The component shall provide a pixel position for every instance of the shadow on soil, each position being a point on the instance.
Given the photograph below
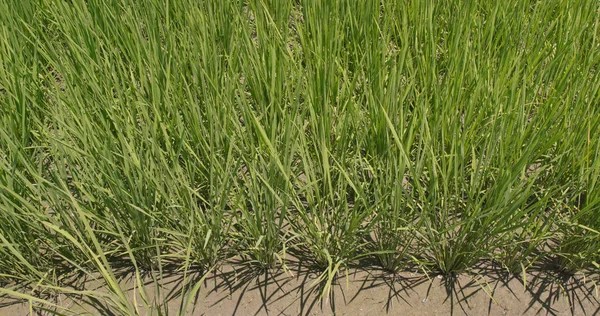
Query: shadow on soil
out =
(243, 289)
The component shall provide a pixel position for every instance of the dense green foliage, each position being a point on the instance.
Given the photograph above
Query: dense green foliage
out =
(186, 133)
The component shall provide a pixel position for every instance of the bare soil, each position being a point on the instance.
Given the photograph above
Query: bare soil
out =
(243, 291)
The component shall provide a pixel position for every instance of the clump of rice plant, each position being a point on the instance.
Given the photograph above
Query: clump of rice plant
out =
(146, 136)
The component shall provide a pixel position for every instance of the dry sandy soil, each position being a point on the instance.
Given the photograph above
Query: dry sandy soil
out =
(239, 291)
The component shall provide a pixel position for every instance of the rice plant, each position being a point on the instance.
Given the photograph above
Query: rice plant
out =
(181, 135)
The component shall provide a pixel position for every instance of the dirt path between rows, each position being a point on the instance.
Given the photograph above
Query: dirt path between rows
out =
(239, 291)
